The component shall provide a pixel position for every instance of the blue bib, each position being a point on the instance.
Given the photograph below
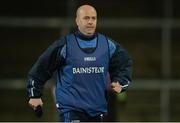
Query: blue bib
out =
(82, 82)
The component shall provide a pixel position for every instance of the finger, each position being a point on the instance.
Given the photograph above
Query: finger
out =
(117, 90)
(32, 106)
(114, 84)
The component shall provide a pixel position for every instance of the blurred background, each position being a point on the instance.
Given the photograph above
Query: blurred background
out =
(148, 29)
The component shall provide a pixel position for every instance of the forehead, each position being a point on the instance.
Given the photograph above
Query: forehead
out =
(87, 11)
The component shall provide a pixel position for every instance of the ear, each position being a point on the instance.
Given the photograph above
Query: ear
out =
(77, 21)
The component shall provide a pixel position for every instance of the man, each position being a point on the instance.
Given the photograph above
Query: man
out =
(86, 62)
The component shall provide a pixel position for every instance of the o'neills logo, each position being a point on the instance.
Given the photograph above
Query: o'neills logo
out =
(88, 70)
(89, 58)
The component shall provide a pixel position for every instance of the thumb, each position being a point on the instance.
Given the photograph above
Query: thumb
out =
(114, 84)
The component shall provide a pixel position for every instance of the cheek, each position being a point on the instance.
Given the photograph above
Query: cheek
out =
(83, 24)
(95, 23)
(77, 22)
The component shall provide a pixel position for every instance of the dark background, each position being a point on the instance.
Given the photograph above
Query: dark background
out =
(148, 29)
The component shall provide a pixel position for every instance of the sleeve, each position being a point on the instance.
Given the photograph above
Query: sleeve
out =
(120, 67)
(44, 68)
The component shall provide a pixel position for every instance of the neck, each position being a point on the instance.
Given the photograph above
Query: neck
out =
(83, 36)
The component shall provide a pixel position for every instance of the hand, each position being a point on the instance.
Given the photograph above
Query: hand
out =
(116, 87)
(34, 102)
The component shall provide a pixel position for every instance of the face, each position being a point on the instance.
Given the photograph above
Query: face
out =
(86, 20)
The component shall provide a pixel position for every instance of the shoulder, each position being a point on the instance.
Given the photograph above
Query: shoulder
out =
(59, 42)
(110, 40)
(115, 44)
(56, 45)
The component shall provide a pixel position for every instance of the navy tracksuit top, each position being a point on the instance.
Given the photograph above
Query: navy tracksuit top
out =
(84, 79)
(84, 66)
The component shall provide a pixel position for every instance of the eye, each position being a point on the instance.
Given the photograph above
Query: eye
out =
(94, 18)
(86, 17)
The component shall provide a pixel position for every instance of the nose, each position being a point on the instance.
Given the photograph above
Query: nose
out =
(90, 21)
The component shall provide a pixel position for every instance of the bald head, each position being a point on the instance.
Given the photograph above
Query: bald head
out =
(86, 19)
(85, 8)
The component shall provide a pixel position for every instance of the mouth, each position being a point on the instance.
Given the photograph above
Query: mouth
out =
(90, 27)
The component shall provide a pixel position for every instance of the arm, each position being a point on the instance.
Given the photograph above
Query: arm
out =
(120, 68)
(42, 71)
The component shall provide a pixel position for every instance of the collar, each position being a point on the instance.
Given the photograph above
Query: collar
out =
(84, 37)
